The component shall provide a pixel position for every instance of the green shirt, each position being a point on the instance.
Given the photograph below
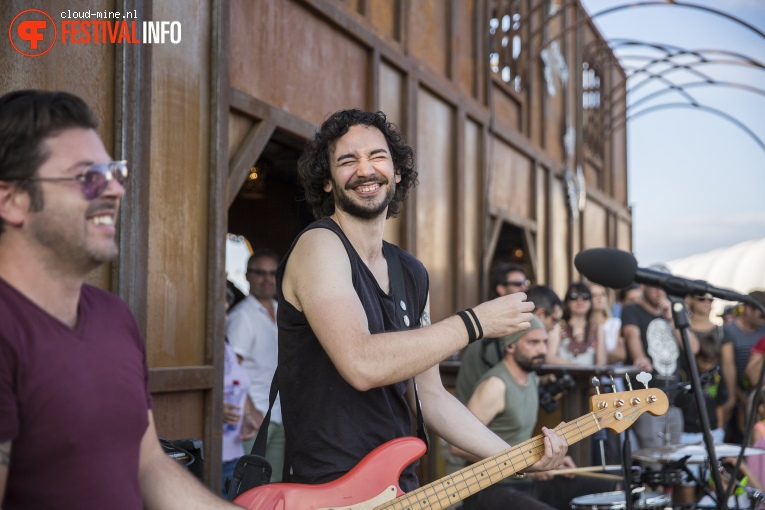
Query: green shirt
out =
(516, 423)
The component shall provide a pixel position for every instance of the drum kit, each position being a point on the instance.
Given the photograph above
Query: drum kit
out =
(674, 472)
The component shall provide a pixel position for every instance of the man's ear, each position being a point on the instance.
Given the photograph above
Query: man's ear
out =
(398, 176)
(14, 203)
(328, 185)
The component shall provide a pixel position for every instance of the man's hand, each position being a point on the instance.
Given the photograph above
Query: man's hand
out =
(231, 414)
(555, 451)
(505, 315)
(644, 363)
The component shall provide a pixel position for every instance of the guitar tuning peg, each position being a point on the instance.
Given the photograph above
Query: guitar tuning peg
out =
(596, 384)
(613, 386)
(629, 383)
(645, 378)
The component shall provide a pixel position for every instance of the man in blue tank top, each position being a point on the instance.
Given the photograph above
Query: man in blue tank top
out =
(345, 369)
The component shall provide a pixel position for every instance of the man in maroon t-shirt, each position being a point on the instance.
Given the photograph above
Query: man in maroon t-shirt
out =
(76, 426)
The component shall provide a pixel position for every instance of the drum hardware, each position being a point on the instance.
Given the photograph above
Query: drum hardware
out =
(615, 501)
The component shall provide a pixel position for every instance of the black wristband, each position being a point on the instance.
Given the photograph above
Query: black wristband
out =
(469, 326)
(477, 324)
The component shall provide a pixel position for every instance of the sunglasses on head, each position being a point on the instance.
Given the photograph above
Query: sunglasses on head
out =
(95, 179)
(576, 295)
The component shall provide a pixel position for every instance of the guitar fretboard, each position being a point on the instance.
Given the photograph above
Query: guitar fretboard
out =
(476, 477)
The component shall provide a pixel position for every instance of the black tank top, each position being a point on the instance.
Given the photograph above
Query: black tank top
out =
(329, 425)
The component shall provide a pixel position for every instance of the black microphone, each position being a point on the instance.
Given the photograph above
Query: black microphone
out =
(618, 269)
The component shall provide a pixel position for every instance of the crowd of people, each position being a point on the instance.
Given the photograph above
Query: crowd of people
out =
(342, 321)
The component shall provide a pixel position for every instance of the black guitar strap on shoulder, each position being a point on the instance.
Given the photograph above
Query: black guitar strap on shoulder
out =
(253, 470)
(399, 299)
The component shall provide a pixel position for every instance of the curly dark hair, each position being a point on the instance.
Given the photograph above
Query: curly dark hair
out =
(314, 166)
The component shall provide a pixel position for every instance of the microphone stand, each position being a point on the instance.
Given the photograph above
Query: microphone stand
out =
(627, 471)
(752, 412)
(680, 318)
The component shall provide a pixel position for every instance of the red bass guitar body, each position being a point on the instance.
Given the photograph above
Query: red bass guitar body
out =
(372, 482)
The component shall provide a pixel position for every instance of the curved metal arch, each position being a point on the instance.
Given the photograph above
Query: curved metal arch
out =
(696, 84)
(708, 109)
(616, 93)
(617, 8)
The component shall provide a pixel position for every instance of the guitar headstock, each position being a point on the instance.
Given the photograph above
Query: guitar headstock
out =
(618, 411)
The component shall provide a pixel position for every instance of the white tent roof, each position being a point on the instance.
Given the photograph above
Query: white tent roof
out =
(740, 267)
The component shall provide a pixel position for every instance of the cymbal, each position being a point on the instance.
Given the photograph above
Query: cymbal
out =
(696, 453)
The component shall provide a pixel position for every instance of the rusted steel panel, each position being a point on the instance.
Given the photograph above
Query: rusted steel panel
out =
(384, 16)
(429, 33)
(393, 103)
(435, 220)
(594, 231)
(542, 207)
(465, 38)
(511, 181)
(506, 106)
(472, 189)
(293, 59)
(180, 145)
(180, 415)
(559, 229)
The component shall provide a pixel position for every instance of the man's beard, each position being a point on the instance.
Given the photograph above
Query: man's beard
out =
(360, 210)
(526, 363)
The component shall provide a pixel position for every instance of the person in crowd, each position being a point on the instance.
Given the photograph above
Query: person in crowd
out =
(739, 336)
(346, 368)
(655, 346)
(581, 339)
(601, 314)
(241, 420)
(728, 314)
(251, 329)
(699, 307)
(754, 364)
(478, 357)
(506, 400)
(629, 295)
(76, 422)
(507, 278)
(715, 399)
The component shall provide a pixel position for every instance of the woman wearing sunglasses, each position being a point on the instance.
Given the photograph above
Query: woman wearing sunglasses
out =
(581, 339)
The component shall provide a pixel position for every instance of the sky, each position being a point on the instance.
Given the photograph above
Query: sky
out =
(696, 180)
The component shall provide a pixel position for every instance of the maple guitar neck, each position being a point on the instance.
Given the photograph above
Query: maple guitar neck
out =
(476, 477)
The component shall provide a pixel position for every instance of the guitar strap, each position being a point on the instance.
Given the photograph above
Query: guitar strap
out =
(398, 290)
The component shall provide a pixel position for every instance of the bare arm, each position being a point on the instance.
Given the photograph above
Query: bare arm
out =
(553, 344)
(635, 347)
(728, 369)
(600, 349)
(318, 281)
(752, 370)
(5, 461)
(485, 404)
(448, 418)
(619, 354)
(165, 485)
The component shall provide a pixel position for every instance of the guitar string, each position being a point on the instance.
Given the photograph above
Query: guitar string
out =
(536, 450)
(537, 444)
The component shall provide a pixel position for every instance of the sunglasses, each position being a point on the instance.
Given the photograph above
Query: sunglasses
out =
(261, 272)
(575, 295)
(703, 298)
(517, 283)
(95, 179)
